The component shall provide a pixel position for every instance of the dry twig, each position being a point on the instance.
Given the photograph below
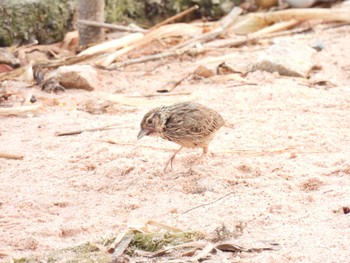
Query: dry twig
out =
(19, 110)
(163, 55)
(160, 94)
(111, 141)
(110, 26)
(122, 99)
(122, 246)
(108, 127)
(175, 17)
(174, 85)
(255, 37)
(210, 203)
(11, 156)
(225, 23)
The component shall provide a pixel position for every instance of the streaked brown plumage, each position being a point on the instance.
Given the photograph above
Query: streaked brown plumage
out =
(188, 124)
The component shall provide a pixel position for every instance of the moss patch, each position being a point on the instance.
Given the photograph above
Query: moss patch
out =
(154, 241)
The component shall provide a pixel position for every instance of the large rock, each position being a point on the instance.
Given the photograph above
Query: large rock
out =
(288, 58)
(71, 77)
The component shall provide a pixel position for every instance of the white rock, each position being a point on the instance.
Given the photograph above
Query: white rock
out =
(288, 58)
(77, 77)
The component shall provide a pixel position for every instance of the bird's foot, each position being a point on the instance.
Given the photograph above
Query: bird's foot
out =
(170, 161)
(203, 158)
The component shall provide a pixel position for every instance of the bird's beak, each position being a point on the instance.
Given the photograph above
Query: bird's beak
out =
(143, 132)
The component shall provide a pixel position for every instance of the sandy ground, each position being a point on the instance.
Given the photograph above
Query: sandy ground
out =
(285, 164)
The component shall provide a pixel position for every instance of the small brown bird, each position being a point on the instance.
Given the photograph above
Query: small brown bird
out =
(188, 124)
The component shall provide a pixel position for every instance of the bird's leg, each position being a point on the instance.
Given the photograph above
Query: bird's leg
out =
(205, 152)
(172, 158)
(203, 156)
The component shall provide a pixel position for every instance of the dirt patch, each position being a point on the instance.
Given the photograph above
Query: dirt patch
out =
(284, 166)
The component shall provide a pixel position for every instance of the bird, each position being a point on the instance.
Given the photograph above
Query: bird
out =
(188, 124)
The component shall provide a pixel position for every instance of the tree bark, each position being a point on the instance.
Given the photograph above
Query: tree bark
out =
(90, 10)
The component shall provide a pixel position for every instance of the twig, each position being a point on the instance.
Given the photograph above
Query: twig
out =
(160, 94)
(253, 38)
(113, 45)
(111, 141)
(121, 247)
(156, 57)
(110, 26)
(210, 203)
(11, 156)
(122, 99)
(19, 110)
(336, 25)
(258, 152)
(225, 23)
(175, 17)
(108, 127)
(177, 83)
(69, 60)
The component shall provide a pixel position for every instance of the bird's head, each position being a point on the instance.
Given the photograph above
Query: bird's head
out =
(151, 124)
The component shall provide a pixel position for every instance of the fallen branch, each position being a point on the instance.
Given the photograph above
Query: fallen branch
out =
(175, 17)
(11, 156)
(225, 23)
(277, 27)
(162, 55)
(112, 45)
(174, 85)
(210, 203)
(110, 26)
(108, 127)
(111, 141)
(162, 32)
(121, 247)
(160, 94)
(13, 73)
(255, 37)
(258, 152)
(19, 110)
(122, 99)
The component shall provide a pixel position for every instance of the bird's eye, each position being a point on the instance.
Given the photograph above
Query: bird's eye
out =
(149, 121)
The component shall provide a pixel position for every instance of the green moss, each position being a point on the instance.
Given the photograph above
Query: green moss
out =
(47, 21)
(27, 20)
(155, 241)
(149, 12)
(85, 253)
(89, 252)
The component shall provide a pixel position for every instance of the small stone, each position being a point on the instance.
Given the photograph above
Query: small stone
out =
(226, 68)
(71, 77)
(288, 58)
(7, 57)
(203, 72)
(78, 77)
(317, 45)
